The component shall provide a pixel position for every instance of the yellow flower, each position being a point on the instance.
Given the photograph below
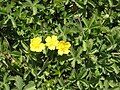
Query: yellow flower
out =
(63, 47)
(36, 45)
(51, 42)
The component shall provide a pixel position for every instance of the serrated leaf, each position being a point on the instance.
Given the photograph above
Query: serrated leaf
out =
(30, 86)
(19, 82)
(111, 83)
(106, 84)
(90, 44)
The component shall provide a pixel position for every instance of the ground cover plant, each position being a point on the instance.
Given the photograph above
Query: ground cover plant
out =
(59, 44)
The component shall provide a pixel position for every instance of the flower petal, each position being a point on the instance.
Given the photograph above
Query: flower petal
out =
(60, 52)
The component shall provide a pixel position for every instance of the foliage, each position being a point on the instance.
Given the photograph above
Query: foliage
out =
(91, 26)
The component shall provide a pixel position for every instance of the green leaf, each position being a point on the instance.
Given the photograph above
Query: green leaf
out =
(92, 3)
(34, 10)
(116, 88)
(91, 21)
(83, 73)
(93, 58)
(59, 2)
(19, 82)
(106, 84)
(100, 84)
(90, 44)
(85, 2)
(6, 87)
(6, 20)
(97, 73)
(103, 47)
(85, 22)
(112, 83)
(13, 21)
(79, 51)
(15, 45)
(110, 3)
(14, 89)
(61, 82)
(5, 44)
(73, 63)
(84, 46)
(16, 53)
(5, 78)
(78, 84)
(25, 46)
(116, 68)
(0, 44)
(78, 5)
(29, 1)
(85, 83)
(30, 86)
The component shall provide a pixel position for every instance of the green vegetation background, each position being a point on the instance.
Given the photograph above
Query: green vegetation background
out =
(91, 26)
